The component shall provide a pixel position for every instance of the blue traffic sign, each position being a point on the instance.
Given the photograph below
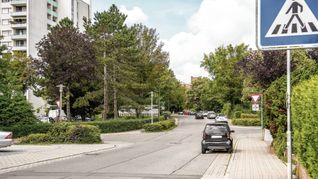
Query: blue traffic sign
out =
(286, 24)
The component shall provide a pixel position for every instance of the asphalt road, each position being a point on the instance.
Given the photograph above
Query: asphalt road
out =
(173, 154)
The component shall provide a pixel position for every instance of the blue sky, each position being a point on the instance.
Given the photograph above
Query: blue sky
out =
(191, 28)
(167, 16)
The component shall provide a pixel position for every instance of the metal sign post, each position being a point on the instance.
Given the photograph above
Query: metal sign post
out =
(289, 141)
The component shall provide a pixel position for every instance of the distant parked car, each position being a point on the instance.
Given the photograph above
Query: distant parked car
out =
(211, 115)
(44, 119)
(217, 136)
(5, 139)
(180, 113)
(221, 118)
(199, 115)
(205, 113)
(192, 113)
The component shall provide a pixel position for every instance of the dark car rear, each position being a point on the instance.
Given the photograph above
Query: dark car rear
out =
(217, 136)
(199, 115)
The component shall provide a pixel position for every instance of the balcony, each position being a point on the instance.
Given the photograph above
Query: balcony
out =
(54, 3)
(19, 48)
(19, 37)
(18, 2)
(18, 13)
(51, 12)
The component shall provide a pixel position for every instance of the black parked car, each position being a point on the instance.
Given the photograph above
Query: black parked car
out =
(199, 115)
(217, 136)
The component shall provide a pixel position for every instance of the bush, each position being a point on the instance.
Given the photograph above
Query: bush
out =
(247, 115)
(21, 130)
(65, 133)
(227, 109)
(86, 134)
(35, 139)
(305, 115)
(120, 125)
(15, 110)
(246, 122)
(159, 126)
(237, 114)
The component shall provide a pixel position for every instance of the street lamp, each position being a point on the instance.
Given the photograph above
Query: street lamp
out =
(60, 103)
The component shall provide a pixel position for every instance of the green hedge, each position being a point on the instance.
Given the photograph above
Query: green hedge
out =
(159, 126)
(27, 129)
(305, 122)
(246, 122)
(247, 115)
(65, 133)
(120, 125)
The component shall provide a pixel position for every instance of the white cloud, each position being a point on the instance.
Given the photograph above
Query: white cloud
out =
(135, 15)
(216, 23)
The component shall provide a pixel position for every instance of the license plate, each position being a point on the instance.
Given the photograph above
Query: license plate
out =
(216, 137)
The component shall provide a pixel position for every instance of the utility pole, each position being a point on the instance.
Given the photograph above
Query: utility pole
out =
(105, 90)
(151, 107)
(159, 107)
(61, 99)
(115, 94)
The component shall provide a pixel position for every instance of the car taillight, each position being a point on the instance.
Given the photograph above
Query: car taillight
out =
(9, 136)
(204, 136)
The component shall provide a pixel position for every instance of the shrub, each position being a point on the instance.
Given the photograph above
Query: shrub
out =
(119, 125)
(246, 122)
(237, 114)
(305, 115)
(86, 134)
(15, 110)
(247, 115)
(35, 139)
(21, 130)
(227, 109)
(65, 133)
(159, 126)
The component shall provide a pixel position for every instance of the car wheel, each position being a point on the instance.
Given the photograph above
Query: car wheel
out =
(203, 150)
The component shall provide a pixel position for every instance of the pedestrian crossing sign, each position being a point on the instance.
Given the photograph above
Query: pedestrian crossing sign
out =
(285, 24)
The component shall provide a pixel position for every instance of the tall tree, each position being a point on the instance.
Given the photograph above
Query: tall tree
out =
(66, 57)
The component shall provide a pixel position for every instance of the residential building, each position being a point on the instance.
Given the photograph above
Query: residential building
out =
(25, 22)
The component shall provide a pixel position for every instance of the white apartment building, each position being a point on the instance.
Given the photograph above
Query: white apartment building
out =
(23, 23)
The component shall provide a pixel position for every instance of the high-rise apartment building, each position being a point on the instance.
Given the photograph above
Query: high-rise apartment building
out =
(23, 23)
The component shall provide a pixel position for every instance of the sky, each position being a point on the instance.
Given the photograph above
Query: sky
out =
(191, 28)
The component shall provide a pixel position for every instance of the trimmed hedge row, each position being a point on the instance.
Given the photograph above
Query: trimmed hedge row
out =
(247, 115)
(27, 129)
(159, 126)
(120, 125)
(305, 115)
(246, 122)
(65, 133)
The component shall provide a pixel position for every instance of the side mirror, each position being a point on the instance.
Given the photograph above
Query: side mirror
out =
(232, 131)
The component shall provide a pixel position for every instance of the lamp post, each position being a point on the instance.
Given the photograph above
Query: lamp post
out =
(151, 107)
(60, 103)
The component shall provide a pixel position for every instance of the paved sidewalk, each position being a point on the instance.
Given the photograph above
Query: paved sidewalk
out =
(18, 157)
(251, 159)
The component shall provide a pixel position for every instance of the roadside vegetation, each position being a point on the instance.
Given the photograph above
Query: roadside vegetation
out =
(238, 72)
(160, 126)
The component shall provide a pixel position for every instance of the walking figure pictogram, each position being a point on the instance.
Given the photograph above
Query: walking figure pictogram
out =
(295, 7)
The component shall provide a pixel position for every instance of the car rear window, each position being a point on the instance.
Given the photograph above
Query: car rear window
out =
(216, 129)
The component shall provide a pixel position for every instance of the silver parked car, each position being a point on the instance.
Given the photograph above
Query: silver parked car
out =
(5, 139)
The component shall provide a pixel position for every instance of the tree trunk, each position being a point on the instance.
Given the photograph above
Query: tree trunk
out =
(115, 95)
(68, 104)
(105, 94)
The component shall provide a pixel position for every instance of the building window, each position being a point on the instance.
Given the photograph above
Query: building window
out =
(5, 21)
(8, 44)
(5, 10)
(5, 0)
(6, 33)
(20, 43)
(20, 32)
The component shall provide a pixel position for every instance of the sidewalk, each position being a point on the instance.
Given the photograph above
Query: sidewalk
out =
(19, 157)
(250, 160)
